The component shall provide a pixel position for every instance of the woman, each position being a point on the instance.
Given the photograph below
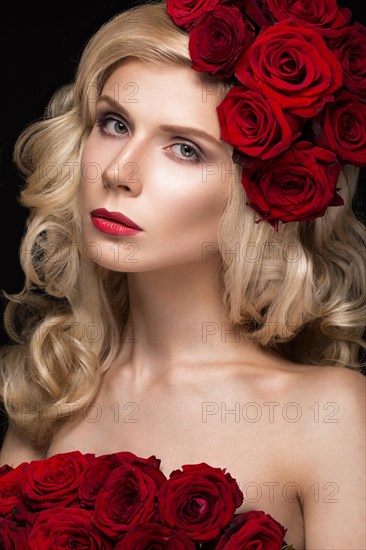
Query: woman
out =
(159, 315)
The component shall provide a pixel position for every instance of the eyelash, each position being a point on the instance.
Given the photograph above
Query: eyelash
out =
(102, 122)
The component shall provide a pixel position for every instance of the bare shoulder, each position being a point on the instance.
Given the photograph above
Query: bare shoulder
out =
(340, 378)
(335, 380)
(340, 396)
(16, 450)
(342, 387)
(331, 458)
(341, 384)
(332, 398)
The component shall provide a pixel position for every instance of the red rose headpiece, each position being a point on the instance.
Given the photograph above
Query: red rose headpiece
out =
(297, 109)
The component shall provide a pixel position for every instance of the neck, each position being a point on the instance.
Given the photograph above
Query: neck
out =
(177, 318)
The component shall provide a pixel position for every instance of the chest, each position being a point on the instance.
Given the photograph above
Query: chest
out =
(241, 436)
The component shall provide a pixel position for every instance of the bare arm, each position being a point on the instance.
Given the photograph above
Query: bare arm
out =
(335, 480)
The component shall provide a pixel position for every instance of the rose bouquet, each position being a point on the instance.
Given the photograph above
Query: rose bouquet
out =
(123, 501)
(296, 109)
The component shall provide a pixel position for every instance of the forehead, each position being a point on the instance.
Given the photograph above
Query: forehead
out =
(169, 93)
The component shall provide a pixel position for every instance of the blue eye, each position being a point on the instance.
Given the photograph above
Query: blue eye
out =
(187, 151)
(111, 126)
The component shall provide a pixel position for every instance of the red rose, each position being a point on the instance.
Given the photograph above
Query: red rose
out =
(9, 489)
(292, 65)
(255, 125)
(128, 497)
(344, 129)
(53, 481)
(65, 528)
(297, 186)
(199, 501)
(217, 41)
(12, 536)
(154, 535)
(100, 469)
(5, 468)
(350, 48)
(256, 11)
(253, 529)
(185, 12)
(320, 15)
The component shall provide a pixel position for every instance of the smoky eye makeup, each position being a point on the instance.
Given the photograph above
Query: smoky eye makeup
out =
(111, 125)
(188, 148)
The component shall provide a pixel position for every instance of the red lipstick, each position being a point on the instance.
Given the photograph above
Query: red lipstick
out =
(113, 223)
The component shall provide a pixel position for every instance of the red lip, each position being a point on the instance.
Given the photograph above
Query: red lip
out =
(114, 216)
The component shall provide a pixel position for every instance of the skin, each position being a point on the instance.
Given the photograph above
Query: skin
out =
(291, 435)
(169, 199)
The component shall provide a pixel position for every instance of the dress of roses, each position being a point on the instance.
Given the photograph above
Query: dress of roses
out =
(124, 501)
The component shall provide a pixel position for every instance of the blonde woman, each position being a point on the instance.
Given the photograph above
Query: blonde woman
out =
(164, 312)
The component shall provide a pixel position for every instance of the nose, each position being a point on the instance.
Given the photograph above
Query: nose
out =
(124, 172)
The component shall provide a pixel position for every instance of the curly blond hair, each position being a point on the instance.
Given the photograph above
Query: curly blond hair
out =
(301, 290)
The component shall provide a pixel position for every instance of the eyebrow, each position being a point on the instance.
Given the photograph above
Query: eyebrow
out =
(166, 127)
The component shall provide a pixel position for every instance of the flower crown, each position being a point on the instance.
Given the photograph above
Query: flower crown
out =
(297, 110)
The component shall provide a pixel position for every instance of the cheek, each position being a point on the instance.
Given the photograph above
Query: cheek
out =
(196, 208)
(193, 222)
(91, 165)
(90, 150)
(86, 161)
(94, 159)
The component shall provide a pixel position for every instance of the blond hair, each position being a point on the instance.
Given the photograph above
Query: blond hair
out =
(304, 284)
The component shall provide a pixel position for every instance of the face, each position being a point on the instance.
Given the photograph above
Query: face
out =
(170, 182)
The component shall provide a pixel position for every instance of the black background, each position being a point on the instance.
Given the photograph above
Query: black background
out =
(40, 50)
